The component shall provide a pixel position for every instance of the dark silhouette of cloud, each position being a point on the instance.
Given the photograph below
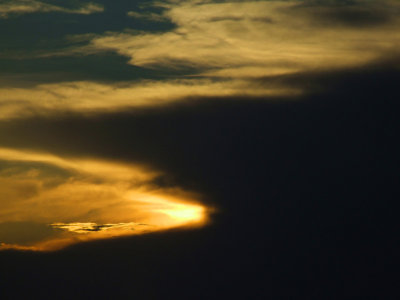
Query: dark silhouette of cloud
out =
(305, 187)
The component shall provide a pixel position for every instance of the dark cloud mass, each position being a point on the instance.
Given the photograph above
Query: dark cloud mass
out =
(304, 184)
(305, 187)
(357, 14)
(359, 17)
(303, 191)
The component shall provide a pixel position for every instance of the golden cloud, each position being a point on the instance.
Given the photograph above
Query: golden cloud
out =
(81, 199)
(228, 43)
(266, 37)
(89, 97)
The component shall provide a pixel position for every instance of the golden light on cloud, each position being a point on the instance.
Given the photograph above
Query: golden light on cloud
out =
(227, 43)
(49, 202)
(228, 38)
(90, 97)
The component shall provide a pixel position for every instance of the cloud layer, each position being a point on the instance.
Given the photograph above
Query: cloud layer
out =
(215, 49)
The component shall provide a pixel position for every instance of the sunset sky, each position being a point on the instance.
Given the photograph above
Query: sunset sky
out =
(217, 149)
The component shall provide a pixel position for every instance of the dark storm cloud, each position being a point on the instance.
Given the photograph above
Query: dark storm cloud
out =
(305, 188)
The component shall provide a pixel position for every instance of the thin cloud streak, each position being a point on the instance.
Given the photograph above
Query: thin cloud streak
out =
(21, 7)
(89, 97)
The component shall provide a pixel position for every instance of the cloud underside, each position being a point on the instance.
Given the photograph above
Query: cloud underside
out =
(21, 7)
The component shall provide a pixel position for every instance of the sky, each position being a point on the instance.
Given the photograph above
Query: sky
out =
(198, 149)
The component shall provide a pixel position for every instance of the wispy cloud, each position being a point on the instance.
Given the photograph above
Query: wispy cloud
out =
(266, 37)
(89, 97)
(20, 7)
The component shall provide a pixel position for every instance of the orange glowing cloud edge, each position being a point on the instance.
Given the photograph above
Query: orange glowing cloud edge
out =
(94, 202)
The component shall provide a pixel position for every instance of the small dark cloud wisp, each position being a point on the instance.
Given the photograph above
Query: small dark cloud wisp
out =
(357, 14)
